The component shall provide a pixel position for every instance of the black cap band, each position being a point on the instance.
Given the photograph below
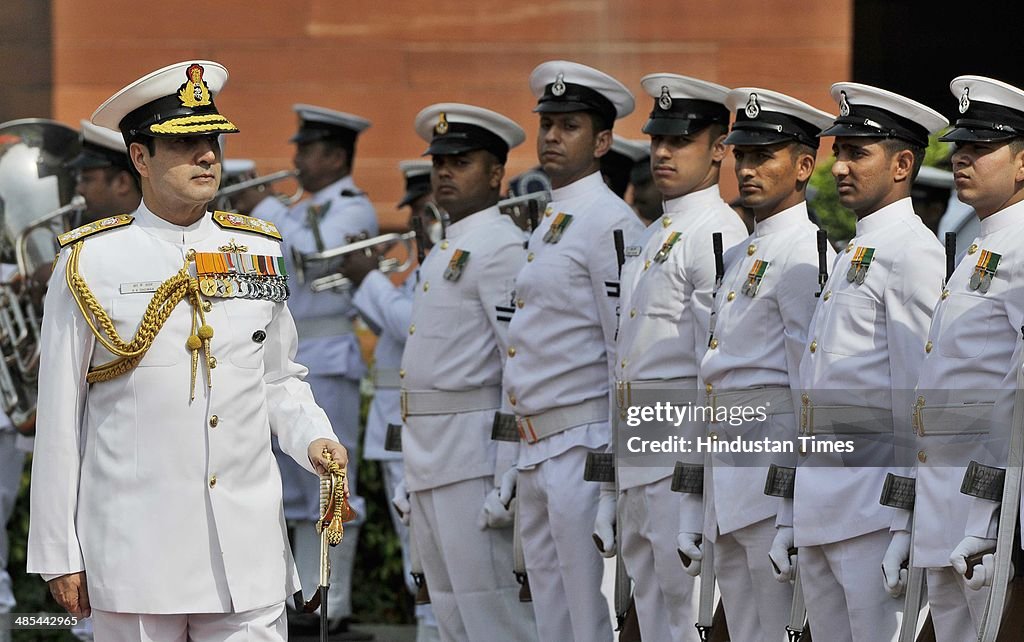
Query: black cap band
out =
(684, 116)
(94, 156)
(415, 187)
(562, 97)
(459, 138)
(771, 127)
(987, 122)
(139, 120)
(310, 131)
(866, 120)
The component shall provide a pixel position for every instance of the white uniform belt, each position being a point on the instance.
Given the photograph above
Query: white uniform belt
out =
(774, 400)
(533, 428)
(624, 389)
(843, 420)
(386, 378)
(444, 402)
(964, 418)
(331, 326)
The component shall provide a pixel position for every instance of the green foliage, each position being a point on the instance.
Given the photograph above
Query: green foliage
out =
(835, 219)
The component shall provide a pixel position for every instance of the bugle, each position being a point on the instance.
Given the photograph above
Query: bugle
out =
(225, 193)
(302, 262)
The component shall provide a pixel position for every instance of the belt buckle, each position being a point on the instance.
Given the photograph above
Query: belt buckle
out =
(917, 421)
(713, 402)
(524, 424)
(403, 400)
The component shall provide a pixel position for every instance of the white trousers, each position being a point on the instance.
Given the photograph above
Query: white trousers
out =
(956, 610)
(339, 397)
(556, 521)
(473, 590)
(843, 589)
(662, 590)
(259, 625)
(12, 461)
(757, 607)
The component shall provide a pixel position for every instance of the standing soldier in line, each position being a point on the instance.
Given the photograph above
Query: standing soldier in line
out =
(451, 381)
(104, 177)
(337, 213)
(863, 356)
(156, 499)
(663, 330)
(387, 308)
(562, 346)
(762, 313)
(965, 392)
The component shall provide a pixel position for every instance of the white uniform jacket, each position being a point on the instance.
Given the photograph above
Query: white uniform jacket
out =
(327, 345)
(966, 387)
(564, 332)
(761, 333)
(386, 308)
(666, 305)
(457, 341)
(864, 351)
(169, 506)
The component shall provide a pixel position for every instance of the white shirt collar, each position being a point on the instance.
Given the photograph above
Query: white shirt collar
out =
(781, 220)
(464, 226)
(694, 201)
(334, 189)
(581, 187)
(164, 229)
(1012, 215)
(888, 215)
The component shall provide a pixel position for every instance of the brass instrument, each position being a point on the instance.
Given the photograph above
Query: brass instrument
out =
(36, 190)
(525, 210)
(302, 263)
(222, 200)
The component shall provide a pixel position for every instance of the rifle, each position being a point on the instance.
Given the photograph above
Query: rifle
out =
(822, 261)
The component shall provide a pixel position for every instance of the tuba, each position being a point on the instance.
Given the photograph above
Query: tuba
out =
(36, 205)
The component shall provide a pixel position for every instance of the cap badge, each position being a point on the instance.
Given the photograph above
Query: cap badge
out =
(441, 128)
(194, 92)
(844, 106)
(558, 87)
(965, 100)
(665, 100)
(752, 109)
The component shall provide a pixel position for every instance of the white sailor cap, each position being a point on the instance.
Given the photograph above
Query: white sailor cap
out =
(454, 128)
(174, 101)
(878, 113)
(683, 105)
(318, 123)
(765, 117)
(990, 110)
(562, 86)
(417, 179)
(234, 167)
(101, 147)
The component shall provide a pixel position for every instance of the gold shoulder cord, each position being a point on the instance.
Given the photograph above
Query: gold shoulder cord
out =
(170, 293)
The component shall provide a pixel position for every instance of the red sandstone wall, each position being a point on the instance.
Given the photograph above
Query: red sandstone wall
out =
(387, 59)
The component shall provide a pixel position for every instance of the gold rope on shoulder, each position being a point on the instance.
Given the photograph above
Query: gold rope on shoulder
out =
(170, 293)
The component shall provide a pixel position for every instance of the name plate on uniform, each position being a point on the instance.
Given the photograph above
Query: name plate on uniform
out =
(780, 481)
(393, 438)
(898, 492)
(984, 482)
(140, 287)
(504, 428)
(600, 467)
(688, 478)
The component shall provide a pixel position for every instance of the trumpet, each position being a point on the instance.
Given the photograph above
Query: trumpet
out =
(302, 262)
(222, 198)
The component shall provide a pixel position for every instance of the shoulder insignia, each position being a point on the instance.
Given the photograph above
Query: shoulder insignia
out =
(232, 221)
(95, 227)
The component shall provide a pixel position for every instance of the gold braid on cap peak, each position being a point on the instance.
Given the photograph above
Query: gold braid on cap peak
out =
(170, 293)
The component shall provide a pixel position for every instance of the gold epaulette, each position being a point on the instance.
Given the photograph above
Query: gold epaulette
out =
(95, 227)
(229, 220)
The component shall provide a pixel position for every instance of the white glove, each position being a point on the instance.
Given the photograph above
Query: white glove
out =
(689, 544)
(779, 554)
(495, 514)
(604, 524)
(981, 573)
(507, 488)
(400, 500)
(894, 577)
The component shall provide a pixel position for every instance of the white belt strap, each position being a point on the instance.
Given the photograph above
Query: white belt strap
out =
(965, 418)
(315, 327)
(533, 428)
(386, 378)
(774, 400)
(624, 389)
(843, 420)
(441, 402)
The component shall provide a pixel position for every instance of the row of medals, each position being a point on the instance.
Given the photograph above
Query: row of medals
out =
(244, 286)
